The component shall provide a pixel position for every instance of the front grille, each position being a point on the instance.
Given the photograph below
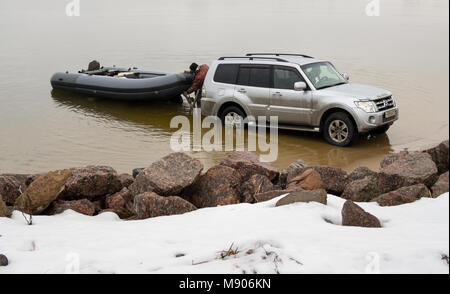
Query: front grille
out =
(384, 103)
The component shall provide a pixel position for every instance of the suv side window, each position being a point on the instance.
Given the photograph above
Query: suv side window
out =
(226, 73)
(254, 76)
(285, 78)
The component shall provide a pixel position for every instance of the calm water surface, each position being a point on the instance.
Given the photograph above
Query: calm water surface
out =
(405, 50)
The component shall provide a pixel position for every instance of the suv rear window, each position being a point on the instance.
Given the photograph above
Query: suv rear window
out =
(226, 73)
(254, 76)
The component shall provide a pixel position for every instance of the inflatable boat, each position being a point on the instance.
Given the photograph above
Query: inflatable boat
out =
(123, 83)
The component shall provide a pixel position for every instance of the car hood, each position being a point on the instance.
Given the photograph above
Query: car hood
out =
(357, 91)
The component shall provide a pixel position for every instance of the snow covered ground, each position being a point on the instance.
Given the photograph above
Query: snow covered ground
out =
(298, 238)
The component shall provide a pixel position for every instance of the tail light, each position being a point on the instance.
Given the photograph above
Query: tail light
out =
(203, 92)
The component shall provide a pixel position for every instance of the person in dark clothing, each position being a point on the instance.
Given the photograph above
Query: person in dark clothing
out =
(199, 77)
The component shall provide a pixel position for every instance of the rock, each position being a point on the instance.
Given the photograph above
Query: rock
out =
(248, 164)
(319, 195)
(220, 185)
(255, 185)
(121, 203)
(10, 188)
(360, 173)
(390, 158)
(31, 178)
(3, 260)
(334, 178)
(38, 196)
(364, 189)
(168, 176)
(439, 155)
(403, 195)
(137, 171)
(9, 211)
(406, 169)
(353, 215)
(152, 205)
(3, 210)
(310, 179)
(100, 204)
(441, 185)
(126, 180)
(270, 195)
(90, 182)
(293, 170)
(82, 206)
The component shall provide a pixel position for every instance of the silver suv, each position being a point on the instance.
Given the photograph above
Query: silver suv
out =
(305, 93)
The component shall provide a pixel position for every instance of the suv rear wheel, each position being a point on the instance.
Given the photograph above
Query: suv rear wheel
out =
(339, 129)
(232, 115)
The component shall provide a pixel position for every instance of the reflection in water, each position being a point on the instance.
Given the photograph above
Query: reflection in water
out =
(151, 115)
(155, 117)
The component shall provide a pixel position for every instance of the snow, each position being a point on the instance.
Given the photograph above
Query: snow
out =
(297, 238)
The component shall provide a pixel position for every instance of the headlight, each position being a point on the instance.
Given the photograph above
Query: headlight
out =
(367, 106)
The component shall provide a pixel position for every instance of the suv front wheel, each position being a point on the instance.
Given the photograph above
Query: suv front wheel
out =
(339, 129)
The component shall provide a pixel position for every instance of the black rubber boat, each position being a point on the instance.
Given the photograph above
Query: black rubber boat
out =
(123, 83)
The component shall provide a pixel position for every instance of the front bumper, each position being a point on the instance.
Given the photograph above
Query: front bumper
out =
(369, 121)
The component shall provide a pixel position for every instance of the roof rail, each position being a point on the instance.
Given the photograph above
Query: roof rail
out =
(279, 54)
(251, 58)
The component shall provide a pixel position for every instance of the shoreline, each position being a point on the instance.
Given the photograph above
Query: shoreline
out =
(348, 164)
(181, 181)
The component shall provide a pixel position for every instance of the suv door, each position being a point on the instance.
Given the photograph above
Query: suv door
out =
(291, 106)
(253, 88)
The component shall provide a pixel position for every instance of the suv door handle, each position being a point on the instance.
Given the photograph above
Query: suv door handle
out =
(242, 90)
(277, 94)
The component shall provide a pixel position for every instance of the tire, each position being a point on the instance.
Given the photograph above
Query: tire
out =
(381, 130)
(339, 129)
(232, 111)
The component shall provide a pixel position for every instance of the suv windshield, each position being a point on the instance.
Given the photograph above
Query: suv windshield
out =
(323, 75)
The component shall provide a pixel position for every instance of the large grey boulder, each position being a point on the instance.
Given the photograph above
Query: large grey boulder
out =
(362, 189)
(220, 185)
(150, 204)
(168, 176)
(403, 195)
(90, 182)
(406, 169)
(248, 164)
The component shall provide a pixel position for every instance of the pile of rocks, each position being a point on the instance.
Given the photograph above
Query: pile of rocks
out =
(176, 184)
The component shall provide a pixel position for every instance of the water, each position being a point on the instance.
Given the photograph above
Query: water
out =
(405, 50)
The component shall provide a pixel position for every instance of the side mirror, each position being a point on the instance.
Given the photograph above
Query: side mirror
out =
(300, 86)
(345, 76)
